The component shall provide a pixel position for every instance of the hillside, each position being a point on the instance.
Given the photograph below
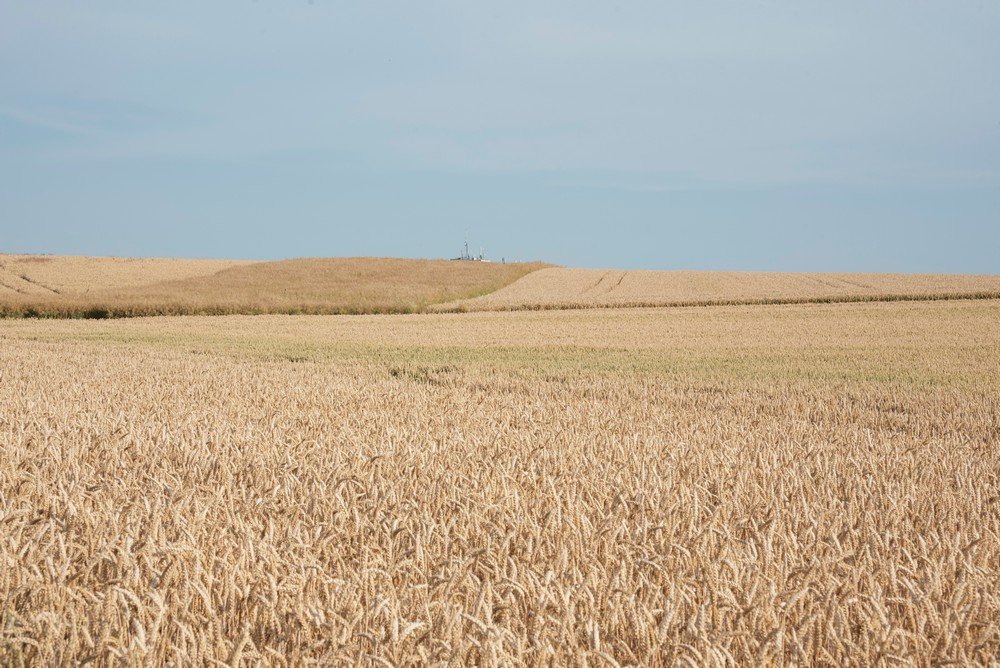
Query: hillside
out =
(46, 275)
(66, 286)
(96, 287)
(557, 287)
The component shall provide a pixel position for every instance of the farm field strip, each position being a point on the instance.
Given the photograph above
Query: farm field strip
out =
(94, 287)
(563, 288)
(733, 485)
(935, 342)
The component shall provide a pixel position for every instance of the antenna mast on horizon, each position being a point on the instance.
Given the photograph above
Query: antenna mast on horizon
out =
(467, 255)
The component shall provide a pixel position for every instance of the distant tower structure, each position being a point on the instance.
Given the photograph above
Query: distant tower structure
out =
(469, 257)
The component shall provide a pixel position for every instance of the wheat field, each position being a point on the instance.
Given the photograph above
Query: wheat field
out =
(76, 275)
(95, 287)
(734, 485)
(562, 288)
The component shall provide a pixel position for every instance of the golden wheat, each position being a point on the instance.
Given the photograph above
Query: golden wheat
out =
(805, 484)
(560, 288)
(60, 286)
(48, 275)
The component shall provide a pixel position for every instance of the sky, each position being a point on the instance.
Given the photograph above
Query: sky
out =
(790, 136)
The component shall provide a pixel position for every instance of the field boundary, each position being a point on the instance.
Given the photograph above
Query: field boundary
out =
(56, 311)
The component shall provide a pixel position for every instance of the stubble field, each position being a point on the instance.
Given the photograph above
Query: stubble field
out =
(728, 485)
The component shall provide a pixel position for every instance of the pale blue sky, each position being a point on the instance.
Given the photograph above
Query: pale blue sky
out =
(737, 135)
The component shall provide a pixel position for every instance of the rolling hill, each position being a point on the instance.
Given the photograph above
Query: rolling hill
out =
(98, 287)
(69, 286)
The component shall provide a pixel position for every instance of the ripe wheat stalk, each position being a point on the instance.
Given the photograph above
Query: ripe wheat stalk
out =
(161, 505)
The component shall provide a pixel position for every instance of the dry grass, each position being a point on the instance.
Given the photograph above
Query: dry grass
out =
(109, 287)
(560, 288)
(803, 484)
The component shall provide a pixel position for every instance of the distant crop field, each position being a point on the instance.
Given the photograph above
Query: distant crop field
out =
(51, 276)
(67, 286)
(561, 288)
(807, 484)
